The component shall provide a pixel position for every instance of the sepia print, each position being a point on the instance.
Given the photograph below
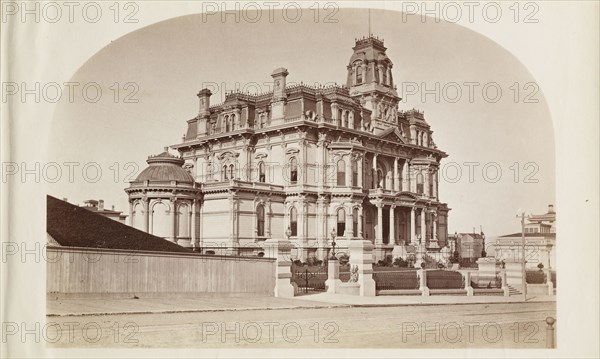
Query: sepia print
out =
(289, 175)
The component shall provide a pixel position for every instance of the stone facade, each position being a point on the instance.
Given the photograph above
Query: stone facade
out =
(312, 162)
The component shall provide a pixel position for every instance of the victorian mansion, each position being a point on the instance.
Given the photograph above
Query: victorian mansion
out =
(308, 163)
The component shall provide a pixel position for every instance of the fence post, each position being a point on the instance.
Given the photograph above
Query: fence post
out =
(550, 332)
(333, 275)
(281, 250)
(468, 287)
(549, 283)
(505, 288)
(361, 257)
(423, 283)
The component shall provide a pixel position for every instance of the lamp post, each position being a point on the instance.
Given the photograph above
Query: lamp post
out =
(523, 275)
(333, 244)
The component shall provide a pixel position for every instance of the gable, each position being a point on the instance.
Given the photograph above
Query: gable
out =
(393, 135)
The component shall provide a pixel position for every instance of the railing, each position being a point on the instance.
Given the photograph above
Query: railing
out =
(396, 280)
(309, 278)
(481, 281)
(443, 279)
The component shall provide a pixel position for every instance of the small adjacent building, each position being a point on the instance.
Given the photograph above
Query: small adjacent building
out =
(540, 241)
(98, 207)
(468, 245)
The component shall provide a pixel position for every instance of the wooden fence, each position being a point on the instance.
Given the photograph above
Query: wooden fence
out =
(74, 270)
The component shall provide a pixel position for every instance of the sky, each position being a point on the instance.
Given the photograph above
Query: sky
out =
(149, 80)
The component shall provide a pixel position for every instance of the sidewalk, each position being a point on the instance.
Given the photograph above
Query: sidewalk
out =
(98, 306)
(400, 300)
(102, 306)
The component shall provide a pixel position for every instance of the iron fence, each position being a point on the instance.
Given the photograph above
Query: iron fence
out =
(396, 280)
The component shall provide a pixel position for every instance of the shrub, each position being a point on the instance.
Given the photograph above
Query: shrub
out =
(210, 252)
(535, 277)
(388, 260)
(344, 259)
(399, 262)
(261, 254)
(298, 263)
(313, 261)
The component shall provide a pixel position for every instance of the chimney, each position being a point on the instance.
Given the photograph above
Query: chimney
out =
(112, 207)
(204, 96)
(551, 208)
(65, 199)
(279, 76)
(279, 96)
(204, 112)
(101, 205)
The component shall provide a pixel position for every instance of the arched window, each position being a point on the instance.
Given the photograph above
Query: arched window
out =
(226, 123)
(183, 221)
(355, 221)
(161, 221)
(260, 221)
(355, 173)
(341, 173)
(261, 172)
(373, 179)
(225, 178)
(341, 222)
(209, 172)
(231, 170)
(293, 170)
(359, 75)
(419, 183)
(294, 221)
(137, 216)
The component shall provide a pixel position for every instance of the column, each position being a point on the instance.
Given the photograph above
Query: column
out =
(349, 232)
(360, 223)
(322, 169)
(130, 219)
(396, 176)
(379, 238)
(413, 179)
(374, 174)
(426, 181)
(359, 161)
(392, 225)
(200, 217)
(405, 177)
(434, 235)
(268, 219)
(348, 162)
(147, 215)
(193, 234)
(435, 185)
(423, 226)
(174, 220)
(150, 220)
(413, 227)
(321, 227)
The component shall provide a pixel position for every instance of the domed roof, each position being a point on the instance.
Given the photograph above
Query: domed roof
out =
(165, 167)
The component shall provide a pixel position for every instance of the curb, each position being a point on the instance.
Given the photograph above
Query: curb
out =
(54, 315)
(329, 306)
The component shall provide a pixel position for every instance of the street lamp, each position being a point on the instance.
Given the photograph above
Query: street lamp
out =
(523, 274)
(333, 233)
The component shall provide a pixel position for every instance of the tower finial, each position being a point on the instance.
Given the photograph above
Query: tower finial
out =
(369, 34)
